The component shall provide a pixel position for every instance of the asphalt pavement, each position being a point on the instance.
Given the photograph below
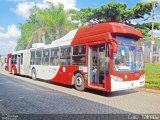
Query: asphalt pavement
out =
(19, 97)
(27, 98)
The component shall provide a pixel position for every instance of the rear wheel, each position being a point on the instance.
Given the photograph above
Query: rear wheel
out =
(79, 82)
(34, 75)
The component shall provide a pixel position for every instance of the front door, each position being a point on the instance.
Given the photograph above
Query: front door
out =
(96, 65)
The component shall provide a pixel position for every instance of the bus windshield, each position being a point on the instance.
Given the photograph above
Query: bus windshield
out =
(129, 56)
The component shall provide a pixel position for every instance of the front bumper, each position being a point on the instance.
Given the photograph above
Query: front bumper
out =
(124, 85)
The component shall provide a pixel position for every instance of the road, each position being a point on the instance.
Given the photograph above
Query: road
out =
(17, 96)
(21, 95)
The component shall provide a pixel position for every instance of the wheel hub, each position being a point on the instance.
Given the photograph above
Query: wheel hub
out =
(79, 81)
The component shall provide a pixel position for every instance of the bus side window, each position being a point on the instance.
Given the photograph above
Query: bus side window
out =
(79, 55)
(32, 61)
(107, 59)
(38, 57)
(45, 60)
(14, 59)
(54, 57)
(65, 56)
(21, 58)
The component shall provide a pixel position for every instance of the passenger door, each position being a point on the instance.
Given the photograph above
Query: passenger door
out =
(96, 65)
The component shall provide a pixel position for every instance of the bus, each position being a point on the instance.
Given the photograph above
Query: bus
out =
(105, 56)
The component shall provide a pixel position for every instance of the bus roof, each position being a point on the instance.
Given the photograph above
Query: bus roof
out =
(112, 27)
(94, 33)
(102, 28)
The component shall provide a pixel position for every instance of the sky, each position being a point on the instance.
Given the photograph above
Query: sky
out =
(14, 12)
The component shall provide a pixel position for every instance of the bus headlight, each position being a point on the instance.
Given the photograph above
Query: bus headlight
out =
(117, 79)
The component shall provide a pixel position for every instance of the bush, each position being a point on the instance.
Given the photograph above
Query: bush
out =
(152, 72)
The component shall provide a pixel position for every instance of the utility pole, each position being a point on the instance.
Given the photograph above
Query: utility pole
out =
(152, 32)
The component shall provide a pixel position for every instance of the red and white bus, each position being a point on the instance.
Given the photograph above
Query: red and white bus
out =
(105, 56)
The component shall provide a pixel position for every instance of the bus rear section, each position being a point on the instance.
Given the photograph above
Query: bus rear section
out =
(19, 62)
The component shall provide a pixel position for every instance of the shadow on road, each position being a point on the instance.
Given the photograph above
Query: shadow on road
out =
(112, 94)
(101, 93)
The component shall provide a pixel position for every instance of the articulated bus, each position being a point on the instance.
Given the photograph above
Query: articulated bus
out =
(105, 56)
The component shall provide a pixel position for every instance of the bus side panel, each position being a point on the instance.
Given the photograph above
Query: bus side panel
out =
(65, 74)
(108, 84)
(48, 72)
(39, 72)
(13, 66)
(26, 63)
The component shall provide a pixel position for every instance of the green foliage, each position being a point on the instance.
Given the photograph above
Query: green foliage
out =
(146, 27)
(112, 11)
(118, 12)
(44, 26)
(149, 25)
(52, 23)
(27, 30)
(152, 72)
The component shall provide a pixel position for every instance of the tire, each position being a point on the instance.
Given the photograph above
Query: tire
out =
(79, 82)
(34, 75)
(13, 72)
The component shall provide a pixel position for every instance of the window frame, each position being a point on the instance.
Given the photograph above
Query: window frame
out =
(38, 57)
(57, 57)
(78, 49)
(33, 57)
(82, 55)
(21, 60)
(43, 50)
(65, 58)
(14, 59)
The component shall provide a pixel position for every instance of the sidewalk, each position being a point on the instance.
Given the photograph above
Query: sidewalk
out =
(148, 90)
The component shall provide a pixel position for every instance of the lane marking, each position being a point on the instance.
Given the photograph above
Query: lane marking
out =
(21, 97)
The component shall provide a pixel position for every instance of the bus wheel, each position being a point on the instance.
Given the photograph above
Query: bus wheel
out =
(34, 76)
(13, 72)
(79, 82)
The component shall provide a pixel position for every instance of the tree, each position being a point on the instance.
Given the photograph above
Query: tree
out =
(28, 31)
(44, 26)
(112, 11)
(55, 18)
(146, 27)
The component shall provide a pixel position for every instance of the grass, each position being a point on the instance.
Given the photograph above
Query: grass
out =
(152, 72)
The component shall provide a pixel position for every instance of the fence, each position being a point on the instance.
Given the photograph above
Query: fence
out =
(148, 52)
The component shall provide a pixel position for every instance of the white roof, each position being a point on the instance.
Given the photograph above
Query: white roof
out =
(37, 45)
(64, 41)
(18, 52)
